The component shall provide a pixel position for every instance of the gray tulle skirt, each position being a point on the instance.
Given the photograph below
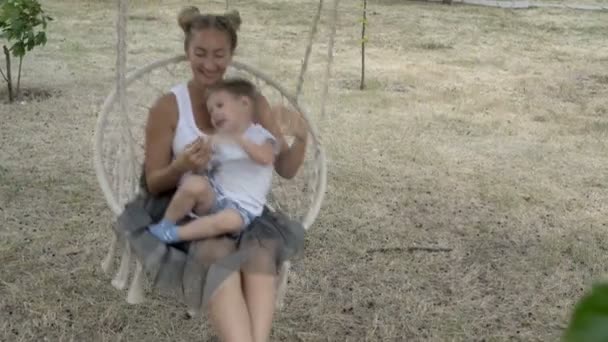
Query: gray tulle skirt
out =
(194, 270)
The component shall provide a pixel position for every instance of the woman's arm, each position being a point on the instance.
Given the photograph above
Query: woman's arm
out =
(161, 173)
(288, 162)
(290, 158)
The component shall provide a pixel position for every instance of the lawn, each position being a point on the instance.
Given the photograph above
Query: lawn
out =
(481, 130)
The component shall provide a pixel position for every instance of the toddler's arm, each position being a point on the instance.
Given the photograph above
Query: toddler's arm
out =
(261, 154)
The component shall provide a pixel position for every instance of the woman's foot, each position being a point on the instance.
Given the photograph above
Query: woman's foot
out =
(165, 230)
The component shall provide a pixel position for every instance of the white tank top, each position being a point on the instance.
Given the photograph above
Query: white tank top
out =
(186, 130)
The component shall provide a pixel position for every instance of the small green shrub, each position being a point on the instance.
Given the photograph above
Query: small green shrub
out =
(22, 26)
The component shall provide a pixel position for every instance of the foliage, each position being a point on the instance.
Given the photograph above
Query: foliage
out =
(589, 322)
(18, 22)
(22, 24)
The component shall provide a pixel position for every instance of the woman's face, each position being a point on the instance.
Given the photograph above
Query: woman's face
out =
(209, 55)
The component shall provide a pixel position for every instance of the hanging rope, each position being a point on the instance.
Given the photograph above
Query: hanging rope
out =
(121, 66)
(313, 32)
(330, 56)
(128, 153)
(121, 54)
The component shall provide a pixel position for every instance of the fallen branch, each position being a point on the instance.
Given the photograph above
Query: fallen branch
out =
(408, 249)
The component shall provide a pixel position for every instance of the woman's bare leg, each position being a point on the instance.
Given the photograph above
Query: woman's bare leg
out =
(227, 306)
(228, 311)
(259, 289)
(260, 292)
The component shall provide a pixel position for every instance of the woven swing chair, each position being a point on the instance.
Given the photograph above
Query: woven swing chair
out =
(119, 137)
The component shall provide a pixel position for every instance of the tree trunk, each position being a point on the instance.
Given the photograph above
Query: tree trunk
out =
(17, 90)
(364, 23)
(9, 81)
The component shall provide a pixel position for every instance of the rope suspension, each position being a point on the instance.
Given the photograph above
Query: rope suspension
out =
(128, 153)
(313, 32)
(121, 55)
(330, 57)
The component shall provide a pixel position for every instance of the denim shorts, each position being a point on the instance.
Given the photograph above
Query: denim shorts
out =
(222, 202)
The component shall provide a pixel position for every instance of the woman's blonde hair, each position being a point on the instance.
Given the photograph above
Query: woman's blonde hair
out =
(191, 20)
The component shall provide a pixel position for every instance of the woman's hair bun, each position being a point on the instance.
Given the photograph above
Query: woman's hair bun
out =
(186, 17)
(234, 18)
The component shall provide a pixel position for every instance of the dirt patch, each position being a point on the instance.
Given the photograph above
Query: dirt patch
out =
(600, 78)
(31, 95)
(143, 17)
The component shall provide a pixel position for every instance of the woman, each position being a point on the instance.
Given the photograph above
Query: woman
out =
(241, 309)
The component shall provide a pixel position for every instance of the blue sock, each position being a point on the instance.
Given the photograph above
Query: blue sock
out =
(165, 230)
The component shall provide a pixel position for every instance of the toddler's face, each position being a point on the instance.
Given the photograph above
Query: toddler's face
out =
(229, 113)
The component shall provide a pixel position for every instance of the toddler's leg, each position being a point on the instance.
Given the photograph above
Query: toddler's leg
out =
(223, 222)
(194, 193)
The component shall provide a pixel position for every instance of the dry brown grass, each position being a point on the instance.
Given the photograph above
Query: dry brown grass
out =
(483, 130)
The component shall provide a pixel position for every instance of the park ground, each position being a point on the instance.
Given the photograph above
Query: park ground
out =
(482, 130)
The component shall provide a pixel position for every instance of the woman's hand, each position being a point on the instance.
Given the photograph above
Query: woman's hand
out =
(291, 122)
(194, 157)
(279, 120)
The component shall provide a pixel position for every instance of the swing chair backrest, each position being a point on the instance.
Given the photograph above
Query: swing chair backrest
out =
(119, 139)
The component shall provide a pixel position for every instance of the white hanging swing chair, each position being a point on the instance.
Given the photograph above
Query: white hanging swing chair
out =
(118, 144)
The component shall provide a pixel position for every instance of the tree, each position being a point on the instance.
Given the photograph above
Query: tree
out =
(363, 41)
(22, 23)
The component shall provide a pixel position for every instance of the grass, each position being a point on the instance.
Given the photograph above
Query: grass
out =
(484, 131)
